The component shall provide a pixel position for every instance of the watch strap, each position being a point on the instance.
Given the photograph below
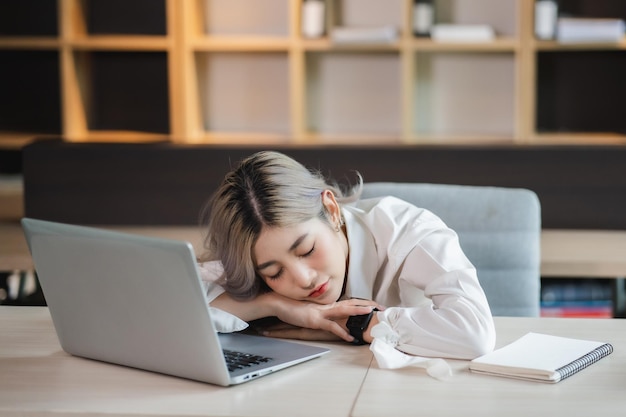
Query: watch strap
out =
(358, 324)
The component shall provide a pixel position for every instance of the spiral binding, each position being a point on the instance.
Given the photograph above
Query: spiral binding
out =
(584, 361)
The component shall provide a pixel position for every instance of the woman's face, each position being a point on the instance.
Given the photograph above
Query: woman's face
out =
(303, 262)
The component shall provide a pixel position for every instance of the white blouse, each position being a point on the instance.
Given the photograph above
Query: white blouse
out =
(407, 259)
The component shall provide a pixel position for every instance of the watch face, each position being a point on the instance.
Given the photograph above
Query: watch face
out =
(357, 324)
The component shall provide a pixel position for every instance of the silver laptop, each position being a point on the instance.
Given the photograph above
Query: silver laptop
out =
(138, 301)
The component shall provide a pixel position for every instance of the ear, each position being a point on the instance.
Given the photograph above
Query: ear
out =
(332, 206)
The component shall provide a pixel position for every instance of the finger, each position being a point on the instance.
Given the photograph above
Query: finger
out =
(343, 311)
(360, 302)
(336, 329)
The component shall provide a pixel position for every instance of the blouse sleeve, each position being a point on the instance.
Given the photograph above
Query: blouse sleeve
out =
(457, 322)
(225, 322)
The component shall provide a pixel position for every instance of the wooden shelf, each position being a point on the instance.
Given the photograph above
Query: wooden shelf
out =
(120, 43)
(503, 44)
(594, 138)
(119, 136)
(241, 44)
(326, 44)
(30, 43)
(557, 46)
(230, 79)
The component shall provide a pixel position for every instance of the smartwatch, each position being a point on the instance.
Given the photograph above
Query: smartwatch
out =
(358, 324)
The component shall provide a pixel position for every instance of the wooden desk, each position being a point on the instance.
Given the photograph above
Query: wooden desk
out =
(597, 390)
(38, 379)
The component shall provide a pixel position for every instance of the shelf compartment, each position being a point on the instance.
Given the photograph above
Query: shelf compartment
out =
(28, 18)
(245, 17)
(577, 297)
(364, 13)
(464, 95)
(123, 17)
(125, 91)
(593, 8)
(244, 93)
(499, 14)
(581, 92)
(353, 94)
(31, 92)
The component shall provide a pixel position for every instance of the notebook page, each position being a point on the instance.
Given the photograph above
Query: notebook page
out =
(535, 351)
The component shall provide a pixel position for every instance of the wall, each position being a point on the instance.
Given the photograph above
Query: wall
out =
(581, 187)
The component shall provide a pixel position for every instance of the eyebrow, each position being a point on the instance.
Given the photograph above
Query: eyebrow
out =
(293, 246)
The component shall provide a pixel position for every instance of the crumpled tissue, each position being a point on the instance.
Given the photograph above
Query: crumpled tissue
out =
(388, 357)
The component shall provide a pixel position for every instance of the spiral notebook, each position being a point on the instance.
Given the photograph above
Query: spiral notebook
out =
(541, 357)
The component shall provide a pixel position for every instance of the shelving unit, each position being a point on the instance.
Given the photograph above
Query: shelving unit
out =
(236, 71)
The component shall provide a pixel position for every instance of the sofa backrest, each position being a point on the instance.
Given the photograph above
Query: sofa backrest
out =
(499, 230)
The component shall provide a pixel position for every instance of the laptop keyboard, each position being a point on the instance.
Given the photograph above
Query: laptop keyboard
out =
(240, 360)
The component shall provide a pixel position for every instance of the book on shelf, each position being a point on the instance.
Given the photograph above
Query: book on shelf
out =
(462, 33)
(541, 358)
(364, 35)
(587, 30)
(561, 297)
(601, 309)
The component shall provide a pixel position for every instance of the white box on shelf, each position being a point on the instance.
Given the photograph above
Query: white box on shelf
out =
(584, 30)
(380, 34)
(462, 33)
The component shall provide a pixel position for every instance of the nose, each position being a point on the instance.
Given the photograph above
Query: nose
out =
(303, 275)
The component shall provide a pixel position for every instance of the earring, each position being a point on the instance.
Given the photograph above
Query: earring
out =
(339, 225)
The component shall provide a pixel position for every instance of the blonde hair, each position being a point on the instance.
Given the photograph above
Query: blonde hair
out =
(267, 189)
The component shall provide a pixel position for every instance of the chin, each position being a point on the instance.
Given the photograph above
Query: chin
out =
(320, 302)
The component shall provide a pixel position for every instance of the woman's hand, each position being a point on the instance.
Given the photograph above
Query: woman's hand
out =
(310, 321)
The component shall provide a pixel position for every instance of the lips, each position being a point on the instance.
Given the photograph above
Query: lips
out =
(319, 290)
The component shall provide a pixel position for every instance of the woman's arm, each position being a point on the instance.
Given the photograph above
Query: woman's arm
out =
(328, 318)
(259, 307)
(458, 322)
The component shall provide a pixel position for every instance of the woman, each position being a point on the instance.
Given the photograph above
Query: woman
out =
(283, 242)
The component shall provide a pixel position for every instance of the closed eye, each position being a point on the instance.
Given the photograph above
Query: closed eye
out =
(309, 253)
(280, 271)
(276, 275)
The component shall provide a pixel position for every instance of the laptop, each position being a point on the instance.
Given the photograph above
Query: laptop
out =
(139, 302)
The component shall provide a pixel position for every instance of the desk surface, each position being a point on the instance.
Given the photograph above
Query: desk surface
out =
(39, 379)
(569, 253)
